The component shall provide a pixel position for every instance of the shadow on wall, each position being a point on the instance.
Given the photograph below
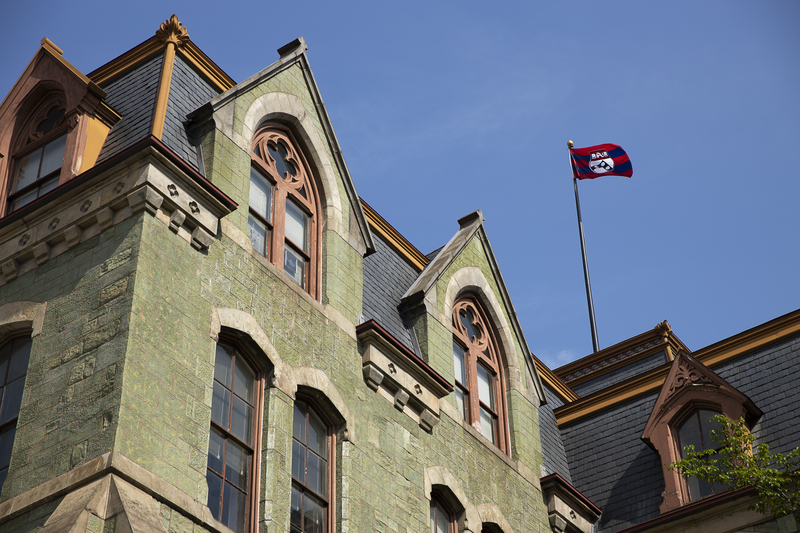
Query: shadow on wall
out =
(636, 496)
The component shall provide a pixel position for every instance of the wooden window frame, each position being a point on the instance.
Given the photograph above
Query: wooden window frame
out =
(438, 503)
(251, 511)
(482, 352)
(311, 405)
(13, 421)
(691, 411)
(28, 140)
(285, 188)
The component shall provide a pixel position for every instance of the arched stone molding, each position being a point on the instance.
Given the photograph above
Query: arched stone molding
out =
(471, 280)
(441, 480)
(288, 109)
(282, 375)
(286, 377)
(319, 382)
(15, 316)
(492, 516)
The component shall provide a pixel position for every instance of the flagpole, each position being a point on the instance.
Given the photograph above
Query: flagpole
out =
(595, 343)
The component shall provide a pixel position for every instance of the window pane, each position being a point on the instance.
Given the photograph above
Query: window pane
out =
(314, 515)
(317, 434)
(299, 423)
(460, 401)
(48, 186)
(296, 225)
(243, 381)
(216, 447)
(281, 164)
(6, 443)
(260, 195)
(485, 386)
(12, 399)
(458, 364)
(5, 356)
(296, 513)
(487, 424)
(20, 353)
(53, 156)
(689, 433)
(706, 425)
(233, 508)
(259, 235)
(298, 461)
(242, 420)
(25, 199)
(214, 483)
(442, 522)
(221, 405)
(223, 364)
(27, 170)
(294, 265)
(237, 465)
(317, 474)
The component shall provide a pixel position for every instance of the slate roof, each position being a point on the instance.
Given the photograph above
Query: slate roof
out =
(187, 92)
(620, 374)
(553, 454)
(387, 276)
(133, 96)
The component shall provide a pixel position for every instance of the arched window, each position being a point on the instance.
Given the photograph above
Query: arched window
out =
(442, 519)
(312, 471)
(39, 153)
(232, 448)
(283, 207)
(14, 355)
(478, 372)
(696, 430)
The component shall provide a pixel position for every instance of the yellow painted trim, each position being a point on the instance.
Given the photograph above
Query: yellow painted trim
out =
(96, 133)
(725, 350)
(394, 238)
(205, 66)
(127, 61)
(554, 382)
(162, 96)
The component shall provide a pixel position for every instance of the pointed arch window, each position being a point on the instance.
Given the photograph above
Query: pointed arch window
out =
(283, 220)
(39, 153)
(479, 386)
(443, 520)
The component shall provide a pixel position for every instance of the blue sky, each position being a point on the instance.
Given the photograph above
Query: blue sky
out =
(445, 107)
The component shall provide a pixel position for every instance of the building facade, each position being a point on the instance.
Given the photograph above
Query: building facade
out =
(205, 329)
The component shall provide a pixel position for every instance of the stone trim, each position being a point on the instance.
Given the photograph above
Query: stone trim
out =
(399, 380)
(285, 377)
(470, 518)
(117, 464)
(15, 316)
(147, 183)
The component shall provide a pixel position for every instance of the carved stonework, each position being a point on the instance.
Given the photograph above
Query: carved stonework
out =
(172, 31)
(687, 374)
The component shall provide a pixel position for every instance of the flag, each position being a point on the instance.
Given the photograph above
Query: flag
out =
(601, 160)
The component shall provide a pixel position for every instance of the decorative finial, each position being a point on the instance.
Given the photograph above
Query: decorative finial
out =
(172, 31)
(570, 144)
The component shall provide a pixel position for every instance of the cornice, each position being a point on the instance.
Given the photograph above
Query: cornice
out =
(555, 383)
(713, 355)
(660, 338)
(399, 243)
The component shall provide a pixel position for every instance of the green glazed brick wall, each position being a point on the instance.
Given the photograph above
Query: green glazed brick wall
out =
(72, 392)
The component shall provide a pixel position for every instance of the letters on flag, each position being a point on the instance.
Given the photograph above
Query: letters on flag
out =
(601, 160)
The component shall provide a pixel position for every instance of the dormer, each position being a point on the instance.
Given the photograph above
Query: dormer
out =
(53, 124)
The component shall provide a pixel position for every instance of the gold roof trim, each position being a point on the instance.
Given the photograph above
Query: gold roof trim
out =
(394, 238)
(554, 382)
(720, 352)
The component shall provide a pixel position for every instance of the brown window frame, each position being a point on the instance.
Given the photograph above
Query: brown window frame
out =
(438, 504)
(692, 411)
(28, 140)
(12, 422)
(481, 351)
(251, 509)
(283, 188)
(330, 485)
